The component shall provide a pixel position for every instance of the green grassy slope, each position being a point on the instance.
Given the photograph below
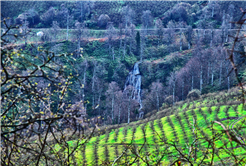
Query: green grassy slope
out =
(177, 127)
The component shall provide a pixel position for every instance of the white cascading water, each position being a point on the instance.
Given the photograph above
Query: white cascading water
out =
(134, 79)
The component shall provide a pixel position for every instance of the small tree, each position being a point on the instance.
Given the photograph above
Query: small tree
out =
(110, 35)
(127, 15)
(147, 19)
(147, 22)
(188, 35)
(169, 36)
(131, 35)
(142, 44)
(80, 31)
(112, 98)
(66, 20)
(182, 81)
(55, 29)
(172, 84)
(129, 102)
(24, 25)
(157, 94)
(33, 17)
(159, 30)
(120, 36)
(48, 17)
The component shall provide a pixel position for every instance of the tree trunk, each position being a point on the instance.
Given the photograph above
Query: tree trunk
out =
(99, 102)
(79, 44)
(25, 28)
(198, 35)
(208, 75)
(157, 99)
(201, 81)
(124, 51)
(183, 90)
(223, 27)
(109, 48)
(120, 44)
(231, 19)
(211, 40)
(113, 53)
(181, 41)
(212, 79)
(119, 113)
(130, 45)
(129, 109)
(112, 108)
(220, 73)
(173, 93)
(213, 11)
(89, 7)
(192, 82)
(125, 41)
(83, 88)
(67, 27)
(93, 86)
(226, 34)
(81, 11)
(141, 49)
(228, 78)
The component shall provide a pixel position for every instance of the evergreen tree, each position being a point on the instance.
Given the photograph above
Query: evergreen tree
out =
(138, 43)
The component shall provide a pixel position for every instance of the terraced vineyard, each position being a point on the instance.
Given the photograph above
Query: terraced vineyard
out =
(190, 121)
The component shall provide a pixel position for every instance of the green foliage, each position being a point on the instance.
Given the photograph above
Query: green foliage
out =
(137, 38)
(176, 128)
(129, 61)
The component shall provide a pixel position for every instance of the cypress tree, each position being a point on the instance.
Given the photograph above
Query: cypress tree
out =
(138, 43)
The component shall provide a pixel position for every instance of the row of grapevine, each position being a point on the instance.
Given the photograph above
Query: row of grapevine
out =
(179, 127)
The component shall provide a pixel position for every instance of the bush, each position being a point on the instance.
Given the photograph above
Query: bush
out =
(46, 37)
(169, 100)
(194, 94)
(91, 24)
(103, 20)
(19, 19)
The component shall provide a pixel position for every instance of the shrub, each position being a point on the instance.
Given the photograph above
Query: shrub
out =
(46, 37)
(194, 94)
(169, 100)
(103, 20)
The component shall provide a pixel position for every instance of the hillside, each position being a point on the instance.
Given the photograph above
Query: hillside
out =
(187, 122)
(166, 10)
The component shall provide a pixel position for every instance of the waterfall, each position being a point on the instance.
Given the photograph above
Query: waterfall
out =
(134, 79)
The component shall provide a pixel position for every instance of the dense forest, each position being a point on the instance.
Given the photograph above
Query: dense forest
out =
(119, 70)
